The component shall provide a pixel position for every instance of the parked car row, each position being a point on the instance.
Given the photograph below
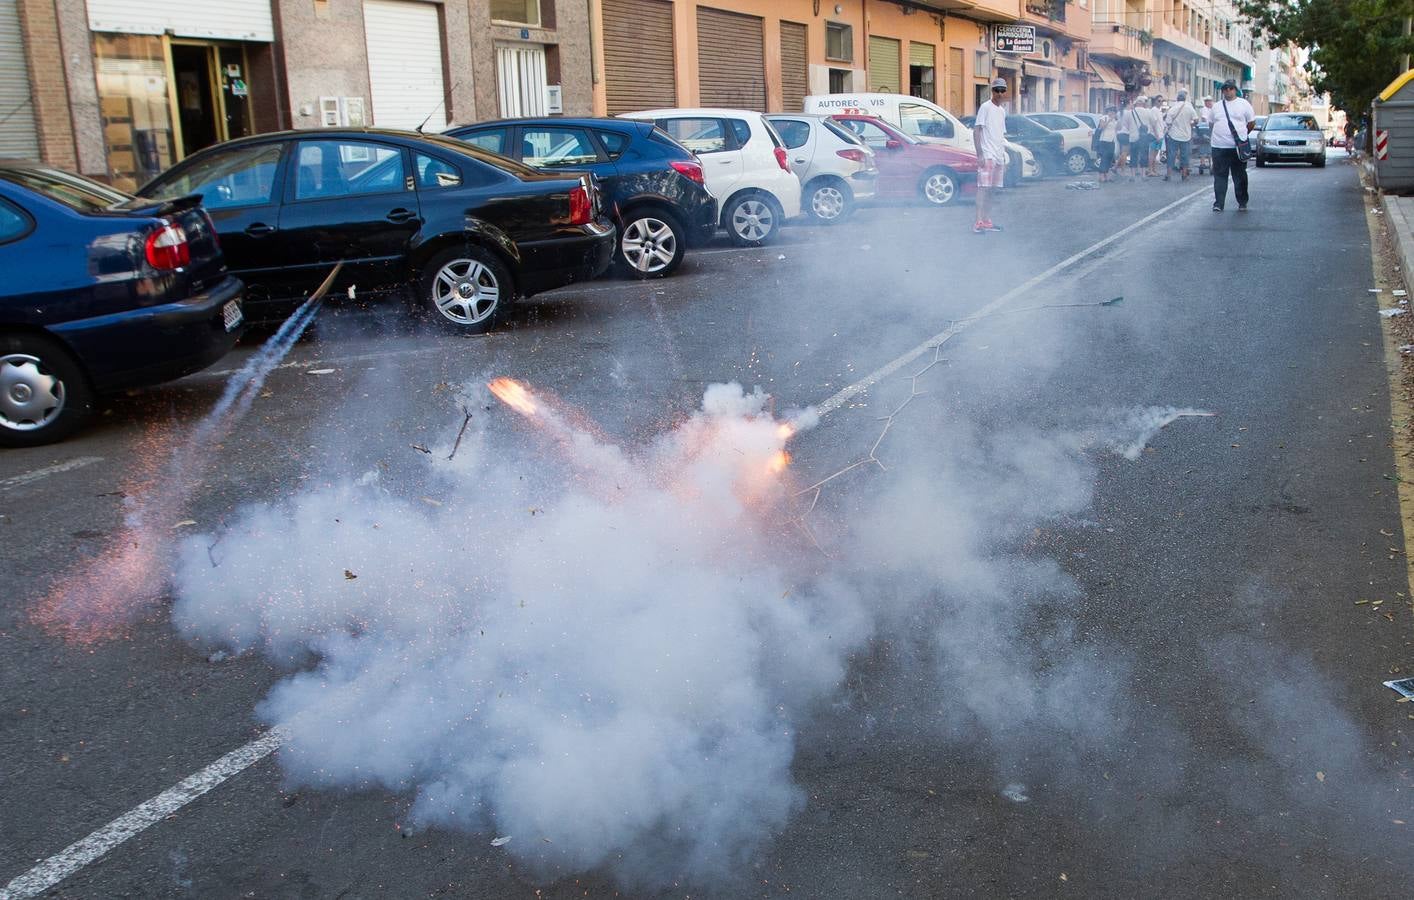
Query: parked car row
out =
(109, 291)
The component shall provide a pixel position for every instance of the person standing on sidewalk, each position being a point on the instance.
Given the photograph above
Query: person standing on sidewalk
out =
(989, 138)
(1178, 134)
(1232, 120)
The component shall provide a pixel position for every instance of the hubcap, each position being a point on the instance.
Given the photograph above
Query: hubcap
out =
(827, 202)
(649, 245)
(466, 292)
(30, 398)
(753, 220)
(1077, 163)
(938, 189)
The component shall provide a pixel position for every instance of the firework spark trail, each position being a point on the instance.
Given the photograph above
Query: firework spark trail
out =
(100, 598)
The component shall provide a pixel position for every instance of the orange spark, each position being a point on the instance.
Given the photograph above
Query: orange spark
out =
(514, 394)
(780, 461)
(785, 431)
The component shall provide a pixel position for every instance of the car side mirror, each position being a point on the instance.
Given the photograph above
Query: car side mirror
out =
(893, 144)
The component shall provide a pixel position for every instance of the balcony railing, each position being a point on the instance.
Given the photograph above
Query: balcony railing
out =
(1047, 9)
(1124, 41)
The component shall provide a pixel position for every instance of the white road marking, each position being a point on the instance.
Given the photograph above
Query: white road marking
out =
(842, 396)
(60, 866)
(15, 481)
(74, 857)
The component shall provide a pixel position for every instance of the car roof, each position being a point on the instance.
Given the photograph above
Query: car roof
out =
(691, 111)
(591, 121)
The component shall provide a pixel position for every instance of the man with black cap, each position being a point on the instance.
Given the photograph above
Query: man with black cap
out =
(989, 138)
(1232, 120)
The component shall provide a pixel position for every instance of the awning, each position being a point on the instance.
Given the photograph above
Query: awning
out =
(1109, 79)
(1001, 62)
(1041, 70)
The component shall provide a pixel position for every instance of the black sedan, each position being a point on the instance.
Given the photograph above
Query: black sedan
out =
(470, 230)
(102, 292)
(1046, 145)
(653, 186)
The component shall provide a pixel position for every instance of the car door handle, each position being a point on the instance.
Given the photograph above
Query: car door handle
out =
(259, 229)
(800, 159)
(401, 215)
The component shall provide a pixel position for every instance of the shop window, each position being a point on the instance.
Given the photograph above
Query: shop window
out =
(521, 12)
(131, 75)
(839, 81)
(839, 42)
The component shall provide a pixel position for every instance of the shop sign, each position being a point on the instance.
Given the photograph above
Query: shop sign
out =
(1015, 39)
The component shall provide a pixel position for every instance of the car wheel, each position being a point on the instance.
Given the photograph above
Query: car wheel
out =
(43, 393)
(752, 220)
(468, 288)
(651, 244)
(1319, 162)
(1077, 161)
(1260, 160)
(939, 187)
(829, 200)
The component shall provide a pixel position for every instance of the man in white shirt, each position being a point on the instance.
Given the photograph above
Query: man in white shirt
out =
(1234, 111)
(1207, 110)
(1178, 134)
(1156, 135)
(989, 137)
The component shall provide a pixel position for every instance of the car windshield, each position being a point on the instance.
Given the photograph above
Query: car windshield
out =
(1292, 123)
(70, 190)
(920, 121)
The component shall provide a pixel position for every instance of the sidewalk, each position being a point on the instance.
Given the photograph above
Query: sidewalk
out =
(1399, 213)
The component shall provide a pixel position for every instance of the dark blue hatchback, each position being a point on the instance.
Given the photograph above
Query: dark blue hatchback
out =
(652, 185)
(102, 291)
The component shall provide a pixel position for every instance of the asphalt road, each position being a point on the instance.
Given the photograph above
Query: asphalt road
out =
(1024, 642)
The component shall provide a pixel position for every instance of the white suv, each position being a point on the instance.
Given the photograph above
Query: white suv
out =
(1075, 135)
(835, 168)
(744, 164)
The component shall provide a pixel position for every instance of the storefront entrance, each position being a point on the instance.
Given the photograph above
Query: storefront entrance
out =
(164, 98)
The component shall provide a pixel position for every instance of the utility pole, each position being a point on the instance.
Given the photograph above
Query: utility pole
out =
(1404, 60)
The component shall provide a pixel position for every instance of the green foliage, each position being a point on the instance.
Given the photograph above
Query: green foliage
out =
(1355, 44)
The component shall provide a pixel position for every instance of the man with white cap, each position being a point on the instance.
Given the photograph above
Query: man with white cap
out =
(989, 138)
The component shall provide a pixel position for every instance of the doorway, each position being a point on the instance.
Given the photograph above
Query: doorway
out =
(209, 94)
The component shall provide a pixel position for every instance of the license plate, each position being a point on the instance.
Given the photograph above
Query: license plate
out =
(231, 314)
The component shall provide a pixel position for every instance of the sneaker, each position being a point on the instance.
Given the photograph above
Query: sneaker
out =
(979, 228)
(990, 227)
(1217, 207)
(1242, 207)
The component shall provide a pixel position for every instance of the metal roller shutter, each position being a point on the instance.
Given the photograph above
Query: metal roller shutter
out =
(885, 66)
(795, 80)
(638, 55)
(920, 54)
(405, 64)
(18, 137)
(731, 59)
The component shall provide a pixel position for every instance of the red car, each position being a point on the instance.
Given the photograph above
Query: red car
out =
(910, 168)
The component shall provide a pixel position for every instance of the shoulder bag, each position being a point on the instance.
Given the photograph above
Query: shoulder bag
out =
(1243, 146)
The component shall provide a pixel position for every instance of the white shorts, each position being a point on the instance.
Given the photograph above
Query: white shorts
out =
(990, 173)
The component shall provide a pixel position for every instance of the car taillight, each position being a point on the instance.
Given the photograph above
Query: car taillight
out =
(781, 158)
(167, 247)
(852, 155)
(690, 170)
(581, 210)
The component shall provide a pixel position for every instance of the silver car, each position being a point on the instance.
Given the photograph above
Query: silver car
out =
(1290, 137)
(836, 169)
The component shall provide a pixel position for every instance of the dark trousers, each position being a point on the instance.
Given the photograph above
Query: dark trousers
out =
(1225, 160)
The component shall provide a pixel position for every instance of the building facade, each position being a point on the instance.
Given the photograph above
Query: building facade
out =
(122, 89)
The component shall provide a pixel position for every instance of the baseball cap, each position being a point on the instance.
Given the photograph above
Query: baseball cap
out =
(1207, 96)
(1229, 84)
(999, 84)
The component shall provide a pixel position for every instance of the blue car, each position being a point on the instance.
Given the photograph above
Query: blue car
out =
(102, 292)
(652, 186)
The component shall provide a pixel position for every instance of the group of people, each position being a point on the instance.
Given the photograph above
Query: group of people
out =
(1129, 140)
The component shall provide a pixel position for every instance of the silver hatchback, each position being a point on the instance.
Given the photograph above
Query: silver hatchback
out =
(835, 168)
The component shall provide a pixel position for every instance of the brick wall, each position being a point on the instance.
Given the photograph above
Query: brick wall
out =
(48, 83)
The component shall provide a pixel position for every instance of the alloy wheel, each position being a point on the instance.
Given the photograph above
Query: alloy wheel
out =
(649, 245)
(30, 397)
(466, 292)
(939, 189)
(827, 203)
(752, 220)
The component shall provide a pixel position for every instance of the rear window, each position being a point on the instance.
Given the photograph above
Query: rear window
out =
(793, 132)
(13, 221)
(615, 142)
(742, 132)
(70, 190)
(843, 133)
(697, 135)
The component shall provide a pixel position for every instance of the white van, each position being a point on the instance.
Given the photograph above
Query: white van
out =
(921, 119)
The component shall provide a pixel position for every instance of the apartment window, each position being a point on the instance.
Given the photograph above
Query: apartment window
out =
(839, 81)
(839, 42)
(521, 12)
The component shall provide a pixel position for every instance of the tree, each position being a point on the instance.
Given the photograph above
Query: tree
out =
(1355, 45)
